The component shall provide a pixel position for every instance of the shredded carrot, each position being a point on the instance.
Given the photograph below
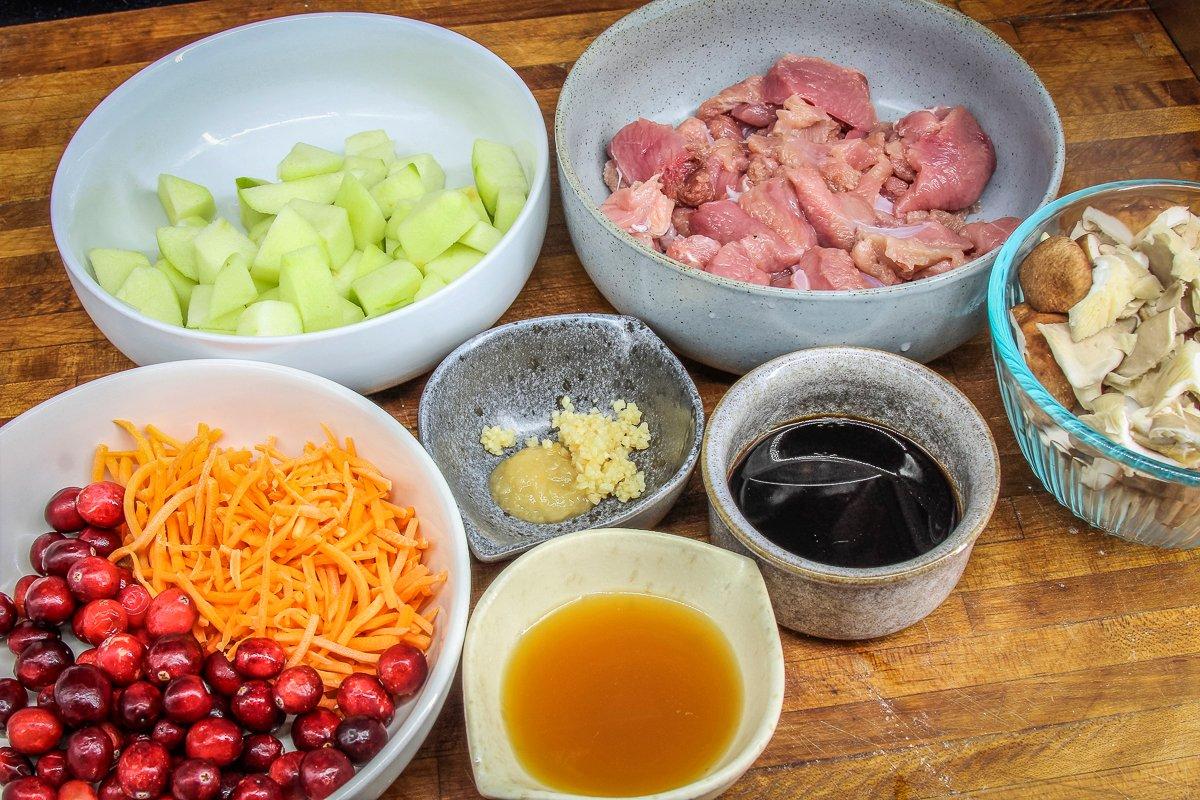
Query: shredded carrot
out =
(307, 550)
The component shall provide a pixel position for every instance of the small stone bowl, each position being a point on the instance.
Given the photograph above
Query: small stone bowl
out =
(842, 602)
(514, 376)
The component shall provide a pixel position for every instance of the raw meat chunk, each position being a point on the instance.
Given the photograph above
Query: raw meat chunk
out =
(693, 251)
(952, 156)
(987, 236)
(641, 210)
(841, 92)
(835, 217)
(774, 204)
(831, 268)
(644, 148)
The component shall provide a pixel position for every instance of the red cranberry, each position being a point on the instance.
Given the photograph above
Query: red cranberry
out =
(87, 657)
(90, 753)
(83, 694)
(220, 674)
(37, 550)
(253, 705)
(257, 657)
(139, 706)
(187, 700)
(40, 663)
(171, 656)
(93, 578)
(8, 614)
(61, 513)
(13, 765)
(259, 751)
(361, 738)
(169, 734)
(402, 669)
(77, 790)
(33, 731)
(143, 769)
(171, 611)
(285, 770)
(229, 781)
(215, 739)
(49, 601)
(105, 540)
(45, 699)
(363, 695)
(115, 735)
(101, 504)
(298, 690)
(121, 657)
(125, 578)
(196, 779)
(220, 707)
(26, 633)
(12, 699)
(110, 789)
(60, 555)
(314, 729)
(322, 772)
(52, 768)
(99, 620)
(21, 590)
(29, 789)
(135, 599)
(257, 787)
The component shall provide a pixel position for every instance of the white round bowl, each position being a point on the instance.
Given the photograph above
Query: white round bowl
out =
(234, 104)
(51, 446)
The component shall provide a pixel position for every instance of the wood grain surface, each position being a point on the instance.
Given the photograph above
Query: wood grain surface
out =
(1065, 665)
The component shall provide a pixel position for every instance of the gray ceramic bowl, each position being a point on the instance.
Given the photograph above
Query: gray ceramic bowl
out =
(514, 375)
(661, 61)
(843, 602)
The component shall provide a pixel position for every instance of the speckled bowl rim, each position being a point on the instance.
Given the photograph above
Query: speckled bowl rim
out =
(658, 7)
(626, 511)
(975, 516)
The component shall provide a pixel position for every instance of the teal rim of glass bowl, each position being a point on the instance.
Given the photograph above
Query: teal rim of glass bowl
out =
(1006, 345)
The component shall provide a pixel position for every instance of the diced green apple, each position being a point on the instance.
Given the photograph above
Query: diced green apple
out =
(149, 291)
(199, 318)
(250, 217)
(290, 231)
(269, 198)
(192, 222)
(451, 264)
(369, 171)
(269, 294)
(182, 284)
(233, 288)
(111, 267)
(472, 195)
(371, 144)
(388, 287)
(332, 223)
(182, 198)
(366, 219)
(437, 221)
(351, 312)
(496, 166)
(509, 202)
(259, 231)
(432, 175)
(429, 285)
(482, 237)
(270, 318)
(306, 160)
(403, 185)
(306, 282)
(215, 244)
(362, 262)
(176, 245)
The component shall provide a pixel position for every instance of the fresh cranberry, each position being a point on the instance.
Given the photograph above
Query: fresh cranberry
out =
(196, 779)
(171, 611)
(135, 599)
(298, 690)
(86, 657)
(125, 578)
(220, 707)
(104, 540)
(121, 656)
(90, 753)
(115, 736)
(143, 770)
(77, 790)
(49, 601)
(139, 706)
(25, 633)
(110, 789)
(259, 751)
(101, 504)
(45, 699)
(83, 694)
(33, 731)
(253, 705)
(257, 787)
(314, 729)
(12, 699)
(220, 674)
(21, 590)
(13, 765)
(8, 614)
(37, 550)
(99, 620)
(187, 700)
(61, 555)
(258, 657)
(93, 578)
(323, 772)
(169, 734)
(285, 770)
(40, 663)
(52, 768)
(229, 781)
(402, 669)
(361, 738)
(29, 789)
(215, 739)
(363, 695)
(173, 655)
(61, 513)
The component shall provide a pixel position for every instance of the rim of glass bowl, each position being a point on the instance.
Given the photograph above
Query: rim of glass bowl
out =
(1006, 345)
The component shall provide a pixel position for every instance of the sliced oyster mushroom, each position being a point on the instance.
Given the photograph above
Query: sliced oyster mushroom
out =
(1116, 282)
(1096, 220)
(1171, 217)
(1179, 374)
(1176, 434)
(1155, 342)
(1084, 362)
(1171, 257)
(1055, 275)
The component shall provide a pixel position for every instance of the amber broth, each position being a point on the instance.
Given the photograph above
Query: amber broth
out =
(620, 695)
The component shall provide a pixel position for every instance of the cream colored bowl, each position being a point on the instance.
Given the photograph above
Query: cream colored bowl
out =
(726, 587)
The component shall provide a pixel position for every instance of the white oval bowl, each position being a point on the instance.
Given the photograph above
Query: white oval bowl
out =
(51, 446)
(234, 104)
(728, 588)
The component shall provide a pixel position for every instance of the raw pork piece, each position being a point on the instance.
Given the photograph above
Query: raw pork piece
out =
(720, 170)
(681, 220)
(644, 148)
(799, 118)
(696, 136)
(830, 268)
(612, 176)
(725, 221)
(751, 259)
(641, 210)
(841, 92)
(693, 251)
(910, 249)
(867, 260)
(724, 126)
(774, 204)
(952, 156)
(743, 101)
(835, 217)
(987, 236)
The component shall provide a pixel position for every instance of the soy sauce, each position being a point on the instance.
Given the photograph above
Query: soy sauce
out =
(845, 492)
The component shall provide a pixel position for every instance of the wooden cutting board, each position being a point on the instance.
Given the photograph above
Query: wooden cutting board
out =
(1065, 665)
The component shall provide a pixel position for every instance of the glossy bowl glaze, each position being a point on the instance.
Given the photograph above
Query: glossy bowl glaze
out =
(51, 446)
(514, 375)
(853, 602)
(1105, 484)
(914, 53)
(234, 104)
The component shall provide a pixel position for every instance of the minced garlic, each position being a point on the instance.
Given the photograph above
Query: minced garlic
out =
(496, 439)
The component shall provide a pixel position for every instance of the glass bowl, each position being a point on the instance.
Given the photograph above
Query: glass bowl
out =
(1109, 486)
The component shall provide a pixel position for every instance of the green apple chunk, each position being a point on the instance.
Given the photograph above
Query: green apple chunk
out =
(270, 294)
(250, 218)
(432, 175)
(388, 287)
(430, 285)
(149, 291)
(366, 219)
(403, 185)
(306, 160)
(482, 237)
(369, 171)
(351, 312)
(360, 263)
(509, 203)
(451, 264)
(472, 195)
(271, 197)
(437, 221)
(192, 222)
(176, 245)
(111, 267)
(270, 318)
(215, 244)
(306, 282)
(182, 284)
(371, 144)
(233, 288)
(199, 318)
(332, 224)
(496, 166)
(259, 231)
(290, 231)
(182, 198)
